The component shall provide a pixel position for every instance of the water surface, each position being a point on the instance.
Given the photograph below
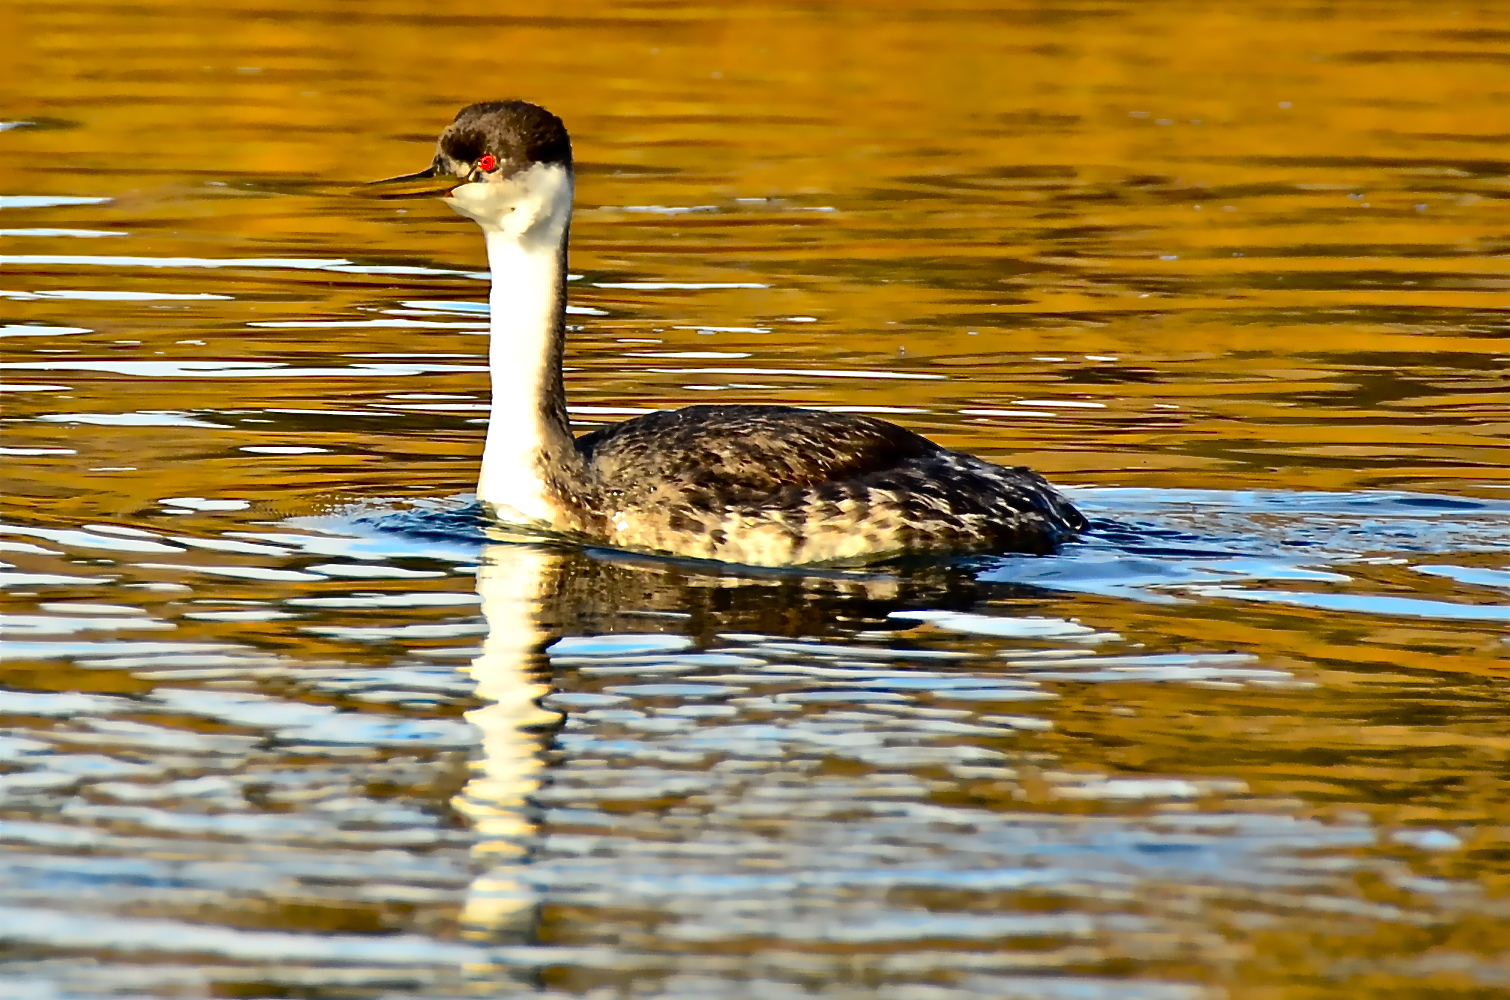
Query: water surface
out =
(1234, 276)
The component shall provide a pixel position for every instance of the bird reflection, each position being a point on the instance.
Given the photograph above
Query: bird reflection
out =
(514, 582)
(533, 594)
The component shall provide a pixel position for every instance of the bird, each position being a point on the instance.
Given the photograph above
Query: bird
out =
(757, 485)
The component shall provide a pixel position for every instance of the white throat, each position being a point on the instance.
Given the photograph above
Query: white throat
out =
(525, 222)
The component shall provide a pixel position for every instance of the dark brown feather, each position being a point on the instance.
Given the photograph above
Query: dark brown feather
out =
(784, 484)
(750, 452)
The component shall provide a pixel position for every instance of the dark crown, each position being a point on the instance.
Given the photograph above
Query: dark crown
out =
(518, 133)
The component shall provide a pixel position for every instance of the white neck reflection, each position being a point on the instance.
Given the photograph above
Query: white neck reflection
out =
(514, 582)
(527, 592)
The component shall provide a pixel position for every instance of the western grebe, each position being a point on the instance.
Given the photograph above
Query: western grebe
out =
(759, 485)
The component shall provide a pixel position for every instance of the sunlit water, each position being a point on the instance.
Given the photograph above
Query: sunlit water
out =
(282, 719)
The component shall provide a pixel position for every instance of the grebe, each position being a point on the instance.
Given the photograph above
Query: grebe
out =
(758, 485)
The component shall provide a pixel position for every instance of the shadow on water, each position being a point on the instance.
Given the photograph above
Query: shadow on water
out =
(1149, 545)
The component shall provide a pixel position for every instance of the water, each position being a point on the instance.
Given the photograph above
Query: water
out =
(277, 720)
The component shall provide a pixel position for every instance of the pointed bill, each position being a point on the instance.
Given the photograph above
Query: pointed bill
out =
(421, 184)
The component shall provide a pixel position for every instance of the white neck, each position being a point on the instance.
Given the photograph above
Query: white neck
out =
(529, 444)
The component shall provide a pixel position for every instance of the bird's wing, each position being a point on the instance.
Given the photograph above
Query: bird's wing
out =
(751, 450)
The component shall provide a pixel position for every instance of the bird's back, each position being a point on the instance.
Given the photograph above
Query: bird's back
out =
(775, 485)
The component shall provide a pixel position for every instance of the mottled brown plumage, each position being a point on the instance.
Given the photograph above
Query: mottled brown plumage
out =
(775, 485)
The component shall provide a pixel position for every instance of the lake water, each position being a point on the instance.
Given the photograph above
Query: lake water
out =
(278, 720)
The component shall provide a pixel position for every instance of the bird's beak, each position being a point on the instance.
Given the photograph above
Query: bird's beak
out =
(423, 184)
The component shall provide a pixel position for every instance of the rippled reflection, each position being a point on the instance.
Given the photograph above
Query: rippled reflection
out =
(518, 585)
(670, 772)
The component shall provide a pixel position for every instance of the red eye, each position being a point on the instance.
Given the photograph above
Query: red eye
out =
(488, 162)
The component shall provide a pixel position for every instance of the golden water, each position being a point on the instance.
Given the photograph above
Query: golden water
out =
(1237, 272)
